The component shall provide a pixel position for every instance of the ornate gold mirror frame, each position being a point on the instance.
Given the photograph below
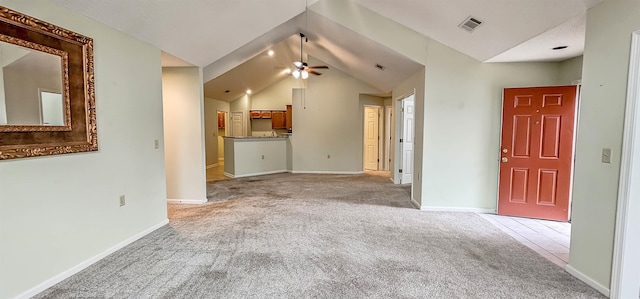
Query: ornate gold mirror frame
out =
(78, 133)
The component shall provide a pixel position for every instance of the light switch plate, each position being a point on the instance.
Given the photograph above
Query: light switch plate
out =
(606, 155)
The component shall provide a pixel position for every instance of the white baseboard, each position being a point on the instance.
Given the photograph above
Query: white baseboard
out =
(254, 174)
(186, 201)
(212, 165)
(220, 159)
(75, 269)
(586, 279)
(456, 209)
(326, 172)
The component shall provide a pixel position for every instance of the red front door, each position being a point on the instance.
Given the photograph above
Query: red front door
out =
(537, 152)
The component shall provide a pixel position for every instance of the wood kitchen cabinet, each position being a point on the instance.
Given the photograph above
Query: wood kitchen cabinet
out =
(255, 113)
(289, 118)
(278, 120)
(265, 114)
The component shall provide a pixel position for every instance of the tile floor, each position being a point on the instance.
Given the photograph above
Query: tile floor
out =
(216, 173)
(548, 238)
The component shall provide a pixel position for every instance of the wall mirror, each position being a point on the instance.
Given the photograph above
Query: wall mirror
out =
(47, 99)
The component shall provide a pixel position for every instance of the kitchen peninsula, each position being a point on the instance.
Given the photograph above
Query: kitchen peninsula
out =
(251, 156)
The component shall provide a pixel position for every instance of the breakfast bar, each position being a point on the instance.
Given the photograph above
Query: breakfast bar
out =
(251, 156)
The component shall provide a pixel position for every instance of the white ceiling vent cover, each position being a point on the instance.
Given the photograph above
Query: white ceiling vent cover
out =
(470, 24)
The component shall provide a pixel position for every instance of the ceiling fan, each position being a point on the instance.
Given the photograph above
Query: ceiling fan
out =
(303, 69)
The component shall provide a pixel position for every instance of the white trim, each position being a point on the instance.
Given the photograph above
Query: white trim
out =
(415, 203)
(212, 166)
(83, 265)
(234, 176)
(187, 201)
(625, 273)
(220, 159)
(586, 279)
(457, 209)
(327, 172)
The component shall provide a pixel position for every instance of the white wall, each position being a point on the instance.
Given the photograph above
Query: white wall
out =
(276, 96)
(570, 71)
(242, 104)
(462, 125)
(606, 60)
(213, 142)
(183, 132)
(329, 122)
(412, 85)
(58, 211)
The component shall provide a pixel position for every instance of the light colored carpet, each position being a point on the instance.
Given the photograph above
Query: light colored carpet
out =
(321, 236)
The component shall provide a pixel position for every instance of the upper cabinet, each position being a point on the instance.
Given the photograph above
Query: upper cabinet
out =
(278, 120)
(289, 117)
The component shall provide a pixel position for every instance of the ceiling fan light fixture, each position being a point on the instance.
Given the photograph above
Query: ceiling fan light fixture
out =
(305, 75)
(296, 74)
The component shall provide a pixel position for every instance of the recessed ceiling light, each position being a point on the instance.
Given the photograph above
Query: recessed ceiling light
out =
(248, 91)
(270, 52)
(559, 48)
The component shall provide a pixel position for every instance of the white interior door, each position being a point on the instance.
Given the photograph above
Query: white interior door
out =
(406, 143)
(237, 124)
(371, 139)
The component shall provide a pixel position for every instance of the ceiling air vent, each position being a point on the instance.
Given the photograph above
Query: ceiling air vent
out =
(470, 24)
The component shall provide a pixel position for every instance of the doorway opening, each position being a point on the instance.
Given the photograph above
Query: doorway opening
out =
(216, 171)
(373, 141)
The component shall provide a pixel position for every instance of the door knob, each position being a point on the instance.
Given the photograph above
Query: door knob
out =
(504, 150)
(505, 159)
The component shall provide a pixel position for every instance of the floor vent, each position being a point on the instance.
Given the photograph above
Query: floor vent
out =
(470, 24)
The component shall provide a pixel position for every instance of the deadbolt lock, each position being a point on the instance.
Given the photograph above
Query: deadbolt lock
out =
(504, 150)
(505, 159)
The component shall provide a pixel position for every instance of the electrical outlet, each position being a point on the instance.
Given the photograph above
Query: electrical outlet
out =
(122, 201)
(156, 144)
(606, 155)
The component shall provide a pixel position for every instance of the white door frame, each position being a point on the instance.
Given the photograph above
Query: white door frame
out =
(398, 133)
(244, 123)
(625, 272)
(388, 111)
(227, 129)
(380, 124)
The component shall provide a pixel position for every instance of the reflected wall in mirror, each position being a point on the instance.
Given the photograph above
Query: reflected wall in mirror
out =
(25, 73)
(47, 98)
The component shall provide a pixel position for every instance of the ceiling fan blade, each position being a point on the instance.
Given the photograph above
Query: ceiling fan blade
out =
(318, 67)
(314, 72)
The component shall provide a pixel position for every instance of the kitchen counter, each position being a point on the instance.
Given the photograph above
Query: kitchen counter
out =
(251, 155)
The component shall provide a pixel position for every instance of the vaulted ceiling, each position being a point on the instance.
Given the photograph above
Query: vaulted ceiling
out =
(221, 35)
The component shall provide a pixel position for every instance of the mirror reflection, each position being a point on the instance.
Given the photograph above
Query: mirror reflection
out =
(30, 87)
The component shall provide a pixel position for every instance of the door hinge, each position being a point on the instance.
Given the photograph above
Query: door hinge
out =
(400, 140)
(400, 170)
(378, 160)
(403, 109)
